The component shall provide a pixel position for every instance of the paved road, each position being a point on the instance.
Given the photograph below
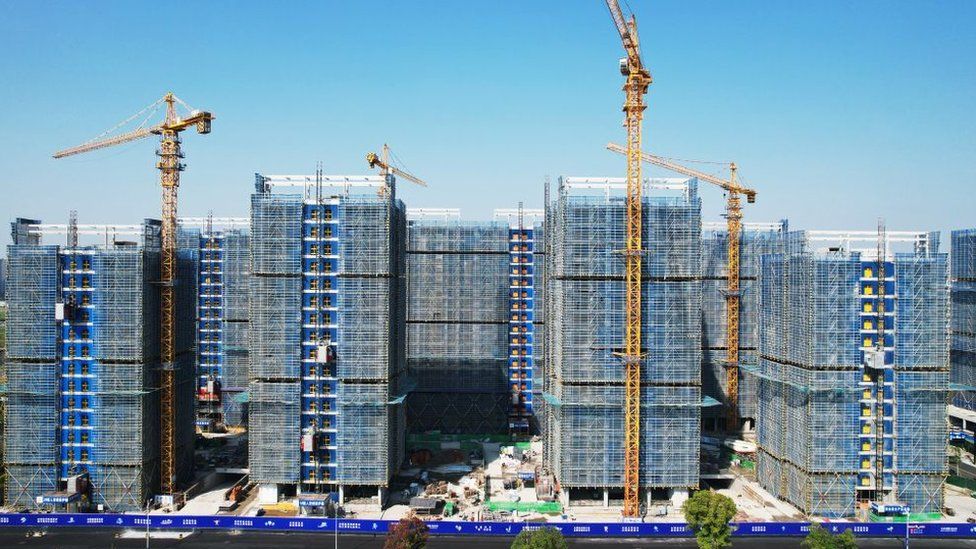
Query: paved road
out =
(101, 539)
(966, 469)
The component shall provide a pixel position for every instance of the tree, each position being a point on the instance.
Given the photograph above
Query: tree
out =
(409, 533)
(820, 538)
(543, 538)
(708, 514)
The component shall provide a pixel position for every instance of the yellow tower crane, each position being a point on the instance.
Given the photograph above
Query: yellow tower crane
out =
(638, 80)
(169, 165)
(733, 213)
(386, 168)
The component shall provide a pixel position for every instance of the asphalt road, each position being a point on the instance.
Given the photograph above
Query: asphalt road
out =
(101, 539)
(967, 470)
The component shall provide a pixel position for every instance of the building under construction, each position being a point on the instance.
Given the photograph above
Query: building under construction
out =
(82, 401)
(328, 323)
(472, 319)
(584, 387)
(853, 372)
(756, 240)
(963, 290)
(223, 264)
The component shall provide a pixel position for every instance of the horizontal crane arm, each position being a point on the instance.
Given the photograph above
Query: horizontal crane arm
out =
(374, 160)
(110, 142)
(408, 177)
(628, 39)
(664, 163)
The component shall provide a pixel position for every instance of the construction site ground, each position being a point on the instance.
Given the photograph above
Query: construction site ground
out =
(467, 479)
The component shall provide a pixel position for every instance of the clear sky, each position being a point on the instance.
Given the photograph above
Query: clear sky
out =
(837, 112)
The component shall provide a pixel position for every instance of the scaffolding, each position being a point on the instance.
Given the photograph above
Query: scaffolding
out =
(963, 293)
(221, 251)
(757, 239)
(273, 429)
(583, 403)
(326, 322)
(237, 278)
(32, 289)
(852, 374)
(457, 325)
(82, 392)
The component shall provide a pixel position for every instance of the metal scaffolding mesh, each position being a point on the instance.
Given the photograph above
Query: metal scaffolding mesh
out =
(223, 261)
(122, 288)
(236, 355)
(32, 288)
(329, 271)
(371, 358)
(24, 483)
(364, 443)
(963, 292)
(365, 328)
(275, 327)
(810, 374)
(921, 430)
(922, 312)
(584, 401)
(592, 329)
(824, 494)
(964, 255)
(275, 320)
(237, 273)
(32, 412)
(273, 433)
(754, 243)
(807, 404)
(276, 225)
(457, 326)
(82, 396)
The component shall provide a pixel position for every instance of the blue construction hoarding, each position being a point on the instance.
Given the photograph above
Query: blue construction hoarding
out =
(365, 526)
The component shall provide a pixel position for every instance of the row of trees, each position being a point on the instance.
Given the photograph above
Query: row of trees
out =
(707, 513)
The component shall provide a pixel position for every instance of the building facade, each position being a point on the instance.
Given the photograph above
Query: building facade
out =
(83, 369)
(963, 290)
(328, 323)
(223, 258)
(583, 401)
(756, 240)
(853, 372)
(472, 317)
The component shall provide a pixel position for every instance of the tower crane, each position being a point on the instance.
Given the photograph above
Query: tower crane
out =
(733, 213)
(386, 168)
(638, 80)
(169, 166)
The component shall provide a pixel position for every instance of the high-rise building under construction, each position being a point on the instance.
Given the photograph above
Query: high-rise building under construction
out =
(584, 387)
(83, 419)
(853, 372)
(756, 240)
(473, 315)
(327, 317)
(222, 249)
(963, 290)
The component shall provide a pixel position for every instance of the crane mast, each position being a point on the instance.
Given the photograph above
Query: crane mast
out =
(733, 215)
(635, 87)
(169, 165)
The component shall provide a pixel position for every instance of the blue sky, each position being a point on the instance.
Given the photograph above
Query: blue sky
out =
(837, 112)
